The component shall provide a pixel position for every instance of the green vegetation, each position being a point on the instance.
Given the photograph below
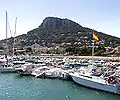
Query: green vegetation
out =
(2, 47)
(117, 53)
(85, 51)
(69, 35)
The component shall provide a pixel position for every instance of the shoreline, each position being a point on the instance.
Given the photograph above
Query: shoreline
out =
(70, 56)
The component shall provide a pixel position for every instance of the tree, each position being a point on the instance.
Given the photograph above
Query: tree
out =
(2, 47)
(100, 50)
(29, 49)
(117, 53)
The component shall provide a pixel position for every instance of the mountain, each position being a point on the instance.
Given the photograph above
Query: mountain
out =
(55, 30)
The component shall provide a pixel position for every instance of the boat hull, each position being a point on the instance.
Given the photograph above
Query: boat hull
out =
(113, 88)
(7, 70)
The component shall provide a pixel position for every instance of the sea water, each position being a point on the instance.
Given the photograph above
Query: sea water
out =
(16, 87)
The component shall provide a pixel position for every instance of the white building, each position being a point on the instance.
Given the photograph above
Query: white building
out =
(35, 47)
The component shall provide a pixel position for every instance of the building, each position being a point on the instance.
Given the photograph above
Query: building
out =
(35, 47)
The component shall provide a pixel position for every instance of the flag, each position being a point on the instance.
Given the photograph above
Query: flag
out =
(95, 37)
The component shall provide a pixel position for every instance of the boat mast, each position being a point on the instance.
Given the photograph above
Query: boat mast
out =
(14, 37)
(6, 38)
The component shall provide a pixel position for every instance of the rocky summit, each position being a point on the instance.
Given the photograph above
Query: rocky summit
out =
(55, 30)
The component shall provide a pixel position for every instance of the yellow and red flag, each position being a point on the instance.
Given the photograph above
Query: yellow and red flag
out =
(95, 37)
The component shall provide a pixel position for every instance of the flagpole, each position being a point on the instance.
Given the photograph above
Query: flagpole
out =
(92, 47)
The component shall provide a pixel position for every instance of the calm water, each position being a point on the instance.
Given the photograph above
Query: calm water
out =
(14, 87)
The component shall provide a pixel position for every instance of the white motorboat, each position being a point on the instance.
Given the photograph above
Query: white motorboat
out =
(87, 79)
(52, 73)
(25, 69)
(38, 72)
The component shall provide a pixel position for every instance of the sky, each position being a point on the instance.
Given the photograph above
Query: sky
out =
(100, 15)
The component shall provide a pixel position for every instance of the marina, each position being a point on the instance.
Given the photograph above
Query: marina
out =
(101, 75)
(28, 74)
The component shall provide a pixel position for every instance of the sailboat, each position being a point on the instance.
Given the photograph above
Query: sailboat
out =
(86, 78)
(5, 66)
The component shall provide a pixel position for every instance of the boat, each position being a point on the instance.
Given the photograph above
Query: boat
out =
(106, 81)
(18, 62)
(40, 72)
(25, 69)
(52, 73)
(5, 68)
(109, 84)
(5, 65)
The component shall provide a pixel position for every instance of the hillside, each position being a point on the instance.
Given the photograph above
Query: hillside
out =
(61, 31)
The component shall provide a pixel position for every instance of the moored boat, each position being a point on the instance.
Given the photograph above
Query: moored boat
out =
(110, 83)
(6, 68)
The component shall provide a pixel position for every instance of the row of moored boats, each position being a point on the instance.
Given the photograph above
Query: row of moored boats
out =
(98, 74)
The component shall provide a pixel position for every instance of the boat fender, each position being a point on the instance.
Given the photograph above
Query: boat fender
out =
(67, 75)
(43, 75)
(63, 75)
(83, 72)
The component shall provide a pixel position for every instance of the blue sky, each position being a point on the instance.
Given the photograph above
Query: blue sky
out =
(101, 15)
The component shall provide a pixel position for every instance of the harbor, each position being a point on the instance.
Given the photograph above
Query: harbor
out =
(58, 58)
(98, 74)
